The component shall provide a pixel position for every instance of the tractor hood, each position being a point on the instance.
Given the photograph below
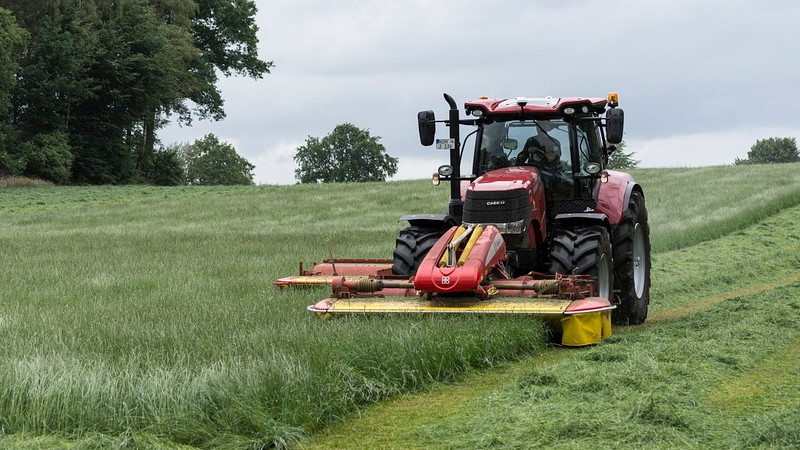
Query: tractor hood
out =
(507, 179)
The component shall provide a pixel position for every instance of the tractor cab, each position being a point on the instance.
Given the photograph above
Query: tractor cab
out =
(565, 139)
(560, 137)
(546, 145)
(537, 163)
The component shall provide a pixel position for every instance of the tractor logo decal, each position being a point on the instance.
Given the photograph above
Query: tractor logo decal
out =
(495, 203)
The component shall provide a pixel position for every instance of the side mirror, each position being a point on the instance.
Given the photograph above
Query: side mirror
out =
(510, 144)
(427, 127)
(615, 119)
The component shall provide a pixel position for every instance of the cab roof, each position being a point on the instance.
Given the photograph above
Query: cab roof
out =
(547, 106)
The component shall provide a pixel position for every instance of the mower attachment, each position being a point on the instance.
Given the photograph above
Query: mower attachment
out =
(462, 274)
(566, 303)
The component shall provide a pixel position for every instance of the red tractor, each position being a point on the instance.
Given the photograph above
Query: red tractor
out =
(538, 226)
(538, 175)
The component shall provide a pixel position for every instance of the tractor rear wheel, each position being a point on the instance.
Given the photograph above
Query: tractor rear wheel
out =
(584, 251)
(411, 246)
(632, 263)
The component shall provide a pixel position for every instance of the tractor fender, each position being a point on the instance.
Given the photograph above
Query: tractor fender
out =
(613, 195)
(570, 220)
(430, 220)
(631, 187)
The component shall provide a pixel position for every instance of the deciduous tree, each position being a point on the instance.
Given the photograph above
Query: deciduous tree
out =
(346, 154)
(209, 161)
(620, 160)
(167, 168)
(772, 150)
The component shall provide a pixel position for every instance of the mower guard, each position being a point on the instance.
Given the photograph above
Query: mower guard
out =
(580, 322)
(559, 301)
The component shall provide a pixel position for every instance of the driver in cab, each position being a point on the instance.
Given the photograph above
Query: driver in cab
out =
(541, 150)
(544, 152)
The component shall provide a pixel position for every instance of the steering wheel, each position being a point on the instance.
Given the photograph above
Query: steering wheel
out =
(538, 155)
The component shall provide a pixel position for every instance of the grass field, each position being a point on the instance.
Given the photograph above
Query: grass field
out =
(144, 316)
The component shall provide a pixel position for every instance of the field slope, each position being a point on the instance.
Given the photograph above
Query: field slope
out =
(144, 316)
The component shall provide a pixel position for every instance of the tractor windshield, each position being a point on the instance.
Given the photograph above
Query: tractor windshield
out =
(541, 143)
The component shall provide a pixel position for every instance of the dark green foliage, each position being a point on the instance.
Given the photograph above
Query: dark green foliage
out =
(135, 73)
(48, 156)
(619, 160)
(12, 42)
(167, 169)
(772, 151)
(226, 32)
(108, 74)
(54, 75)
(210, 162)
(348, 154)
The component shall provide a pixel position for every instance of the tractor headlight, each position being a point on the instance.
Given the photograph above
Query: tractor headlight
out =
(592, 168)
(505, 228)
(514, 227)
(435, 179)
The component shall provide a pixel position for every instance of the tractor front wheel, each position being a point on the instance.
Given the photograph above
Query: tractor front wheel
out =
(584, 251)
(411, 246)
(632, 263)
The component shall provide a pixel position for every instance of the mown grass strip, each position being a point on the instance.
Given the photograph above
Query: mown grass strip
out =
(764, 388)
(394, 423)
(707, 302)
(648, 388)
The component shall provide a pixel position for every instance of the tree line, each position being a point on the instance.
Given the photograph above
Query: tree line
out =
(86, 84)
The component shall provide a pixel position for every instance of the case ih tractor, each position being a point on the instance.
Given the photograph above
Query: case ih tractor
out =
(537, 226)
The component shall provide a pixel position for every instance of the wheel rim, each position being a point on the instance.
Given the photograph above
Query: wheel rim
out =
(604, 278)
(639, 260)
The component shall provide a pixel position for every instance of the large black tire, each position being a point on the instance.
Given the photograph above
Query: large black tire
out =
(411, 246)
(584, 251)
(632, 263)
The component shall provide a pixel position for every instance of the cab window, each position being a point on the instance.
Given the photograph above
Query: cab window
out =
(588, 144)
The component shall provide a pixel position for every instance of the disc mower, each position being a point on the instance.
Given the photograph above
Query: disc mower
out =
(538, 225)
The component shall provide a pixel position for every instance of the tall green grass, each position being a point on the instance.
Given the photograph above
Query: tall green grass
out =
(692, 205)
(158, 317)
(147, 313)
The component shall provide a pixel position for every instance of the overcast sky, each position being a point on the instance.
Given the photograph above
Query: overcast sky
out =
(699, 81)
